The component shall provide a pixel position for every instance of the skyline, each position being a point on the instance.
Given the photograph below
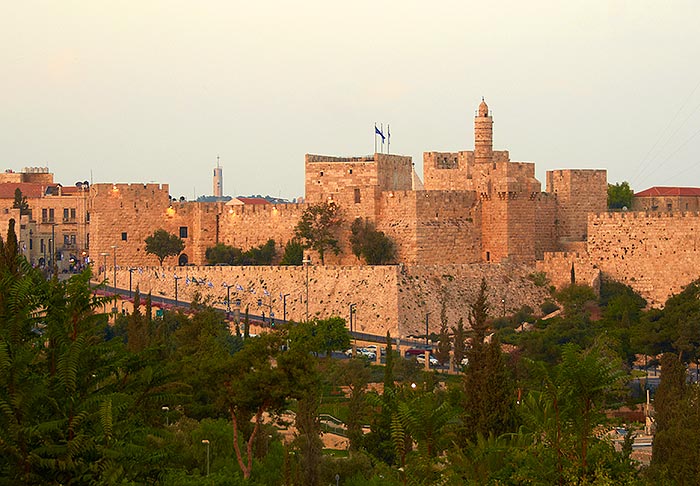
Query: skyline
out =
(156, 93)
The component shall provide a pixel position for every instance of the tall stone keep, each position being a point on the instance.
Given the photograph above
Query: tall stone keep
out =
(483, 135)
(218, 180)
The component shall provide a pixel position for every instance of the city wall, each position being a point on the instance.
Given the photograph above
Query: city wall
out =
(654, 253)
(392, 298)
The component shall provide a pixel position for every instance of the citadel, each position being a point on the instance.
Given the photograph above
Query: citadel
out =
(474, 214)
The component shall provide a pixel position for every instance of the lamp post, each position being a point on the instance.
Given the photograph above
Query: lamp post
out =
(176, 279)
(228, 297)
(503, 301)
(114, 269)
(284, 307)
(166, 410)
(307, 261)
(206, 441)
(353, 309)
(131, 270)
(426, 327)
(104, 256)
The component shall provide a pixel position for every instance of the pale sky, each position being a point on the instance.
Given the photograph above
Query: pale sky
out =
(154, 90)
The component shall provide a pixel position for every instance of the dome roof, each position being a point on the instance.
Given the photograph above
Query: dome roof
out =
(483, 108)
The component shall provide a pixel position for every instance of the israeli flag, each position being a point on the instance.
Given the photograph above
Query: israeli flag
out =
(266, 292)
(238, 287)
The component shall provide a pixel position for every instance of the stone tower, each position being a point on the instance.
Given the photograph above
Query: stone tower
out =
(218, 179)
(483, 135)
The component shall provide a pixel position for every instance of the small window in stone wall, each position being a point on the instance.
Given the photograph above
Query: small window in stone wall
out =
(349, 171)
(357, 196)
(124, 236)
(488, 256)
(321, 174)
(183, 231)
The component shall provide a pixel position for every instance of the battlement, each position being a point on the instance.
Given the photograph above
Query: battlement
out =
(312, 158)
(262, 209)
(627, 215)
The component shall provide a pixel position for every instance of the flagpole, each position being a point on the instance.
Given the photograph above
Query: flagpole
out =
(381, 129)
(375, 137)
(388, 139)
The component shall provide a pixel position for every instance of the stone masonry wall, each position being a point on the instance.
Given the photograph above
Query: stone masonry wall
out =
(558, 266)
(447, 171)
(579, 192)
(655, 253)
(390, 298)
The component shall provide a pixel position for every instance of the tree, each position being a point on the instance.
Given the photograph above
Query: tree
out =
(444, 344)
(222, 253)
(488, 392)
(459, 337)
(675, 456)
(163, 244)
(20, 202)
(293, 253)
(620, 195)
(321, 335)
(318, 228)
(372, 245)
(260, 255)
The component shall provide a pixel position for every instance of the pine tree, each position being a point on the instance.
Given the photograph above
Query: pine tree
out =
(459, 338)
(444, 345)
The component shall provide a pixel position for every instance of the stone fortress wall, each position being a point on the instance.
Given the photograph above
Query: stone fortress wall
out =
(476, 214)
(392, 298)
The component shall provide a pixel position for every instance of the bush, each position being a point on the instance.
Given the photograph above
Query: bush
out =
(548, 307)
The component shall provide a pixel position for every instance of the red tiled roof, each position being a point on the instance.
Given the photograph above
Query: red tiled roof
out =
(669, 191)
(253, 200)
(29, 189)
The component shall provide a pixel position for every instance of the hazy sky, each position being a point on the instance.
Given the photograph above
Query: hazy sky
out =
(154, 90)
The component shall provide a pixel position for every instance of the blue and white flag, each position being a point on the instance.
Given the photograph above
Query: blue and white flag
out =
(140, 271)
(238, 287)
(266, 292)
(210, 285)
(187, 281)
(252, 291)
(377, 131)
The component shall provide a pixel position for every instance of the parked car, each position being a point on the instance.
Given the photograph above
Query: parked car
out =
(373, 348)
(367, 353)
(415, 352)
(433, 360)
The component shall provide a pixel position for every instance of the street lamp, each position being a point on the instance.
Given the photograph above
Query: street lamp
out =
(166, 410)
(426, 327)
(131, 270)
(104, 256)
(228, 297)
(284, 307)
(353, 309)
(114, 269)
(307, 261)
(176, 279)
(206, 441)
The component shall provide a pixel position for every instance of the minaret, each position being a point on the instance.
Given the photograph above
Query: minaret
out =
(218, 179)
(483, 135)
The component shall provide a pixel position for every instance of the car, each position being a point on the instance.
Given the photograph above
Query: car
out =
(433, 360)
(367, 353)
(373, 348)
(415, 352)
